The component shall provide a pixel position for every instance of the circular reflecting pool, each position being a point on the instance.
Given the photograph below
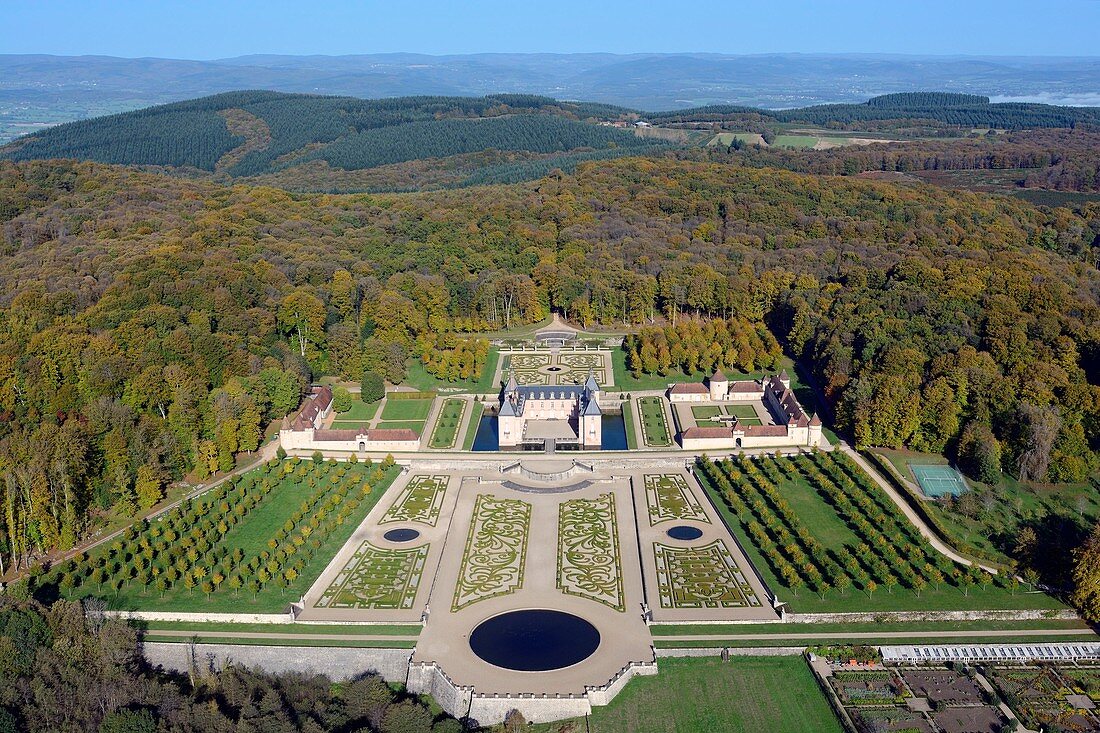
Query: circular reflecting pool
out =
(554, 369)
(401, 535)
(684, 532)
(534, 640)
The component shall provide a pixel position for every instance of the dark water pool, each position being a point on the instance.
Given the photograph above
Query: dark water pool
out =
(534, 640)
(401, 535)
(486, 437)
(684, 532)
(614, 433)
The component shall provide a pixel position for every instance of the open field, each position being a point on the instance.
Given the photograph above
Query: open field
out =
(707, 695)
(230, 549)
(794, 141)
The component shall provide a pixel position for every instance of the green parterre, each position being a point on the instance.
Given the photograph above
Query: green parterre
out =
(589, 563)
(667, 497)
(817, 523)
(701, 577)
(419, 501)
(249, 543)
(496, 551)
(378, 578)
(654, 423)
(447, 425)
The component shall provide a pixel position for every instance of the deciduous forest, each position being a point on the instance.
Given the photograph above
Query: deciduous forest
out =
(154, 325)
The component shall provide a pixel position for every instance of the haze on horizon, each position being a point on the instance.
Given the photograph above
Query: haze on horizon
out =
(206, 29)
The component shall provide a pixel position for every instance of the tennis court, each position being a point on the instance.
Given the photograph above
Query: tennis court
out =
(937, 481)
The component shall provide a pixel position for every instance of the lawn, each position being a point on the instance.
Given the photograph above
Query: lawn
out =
(703, 413)
(418, 378)
(471, 431)
(628, 424)
(625, 381)
(360, 412)
(654, 423)
(707, 695)
(406, 409)
(447, 424)
(248, 538)
(741, 411)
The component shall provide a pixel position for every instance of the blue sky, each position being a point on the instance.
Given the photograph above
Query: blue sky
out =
(206, 29)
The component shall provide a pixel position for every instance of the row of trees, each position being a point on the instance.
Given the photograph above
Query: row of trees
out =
(185, 548)
(692, 345)
(1060, 159)
(890, 551)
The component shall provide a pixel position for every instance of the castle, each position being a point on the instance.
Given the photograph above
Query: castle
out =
(306, 432)
(792, 426)
(532, 415)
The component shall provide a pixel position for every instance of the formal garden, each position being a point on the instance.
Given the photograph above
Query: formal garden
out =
(562, 368)
(655, 430)
(420, 500)
(495, 554)
(826, 538)
(589, 560)
(377, 578)
(253, 543)
(704, 576)
(448, 424)
(668, 497)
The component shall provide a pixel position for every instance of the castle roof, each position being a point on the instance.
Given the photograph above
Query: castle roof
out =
(718, 377)
(688, 388)
(783, 376)
(391, 435)
(815, 421)
(706, 432)
(745, 386)
(591, 384)
(591, 408)
(336, 435)
(320, 400)
(765, 431)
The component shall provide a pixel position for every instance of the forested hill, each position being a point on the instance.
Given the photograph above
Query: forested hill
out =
(307, 142)
(255, 132)
(964, 110)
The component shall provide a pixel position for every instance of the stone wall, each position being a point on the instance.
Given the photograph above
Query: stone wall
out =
(460, 700)
(755, 651)
(893, 616)
(217, 618)
(339, 663)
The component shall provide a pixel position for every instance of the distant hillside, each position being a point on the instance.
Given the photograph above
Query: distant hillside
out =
(964, 110)
(259, 132)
